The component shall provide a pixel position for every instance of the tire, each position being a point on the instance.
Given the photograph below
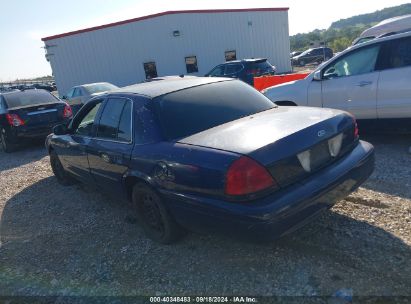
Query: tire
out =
(5, 143)
(155, 219)
(62, 176)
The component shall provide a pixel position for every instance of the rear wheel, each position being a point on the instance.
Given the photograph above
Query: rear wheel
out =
(62, 176)
(5, 142)
(155, 219)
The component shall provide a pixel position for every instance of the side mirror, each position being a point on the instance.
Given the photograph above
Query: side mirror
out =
(317, 76)
(60, 129)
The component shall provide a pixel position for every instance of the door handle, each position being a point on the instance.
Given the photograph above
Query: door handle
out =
(105, 157)
(363, 83)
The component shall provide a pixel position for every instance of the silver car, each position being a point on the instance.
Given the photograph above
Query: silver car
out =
(371, 80)
(79, 95)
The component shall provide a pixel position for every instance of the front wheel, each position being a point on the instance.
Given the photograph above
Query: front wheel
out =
(62, 176)
(157, 222)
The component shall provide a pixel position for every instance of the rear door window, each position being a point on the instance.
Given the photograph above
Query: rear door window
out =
(395, 54)
(259, 68)
(233, 69)
(125, 125)
(115, 121)
(217, 71)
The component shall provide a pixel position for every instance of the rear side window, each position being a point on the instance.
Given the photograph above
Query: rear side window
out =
(115, 121)
(395, 54)
(233, 68)
(261, 66)
(217, 71)
(124, 128)
(29, 97)
(186, 112)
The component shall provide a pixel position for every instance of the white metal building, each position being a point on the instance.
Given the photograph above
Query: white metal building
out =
(169, 43)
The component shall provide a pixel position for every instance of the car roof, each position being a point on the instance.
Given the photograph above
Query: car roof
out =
(154, 89)
(395, 24)
(92, 84)
(248, 60)
(379, 40)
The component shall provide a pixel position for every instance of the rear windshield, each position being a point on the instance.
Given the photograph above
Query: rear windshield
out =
(27, 98)
(100, 87)
(187, 112)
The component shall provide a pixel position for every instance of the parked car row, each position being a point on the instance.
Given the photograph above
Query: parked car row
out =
(44, 86)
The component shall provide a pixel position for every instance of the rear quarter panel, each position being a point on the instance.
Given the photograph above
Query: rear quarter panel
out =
(182, 168)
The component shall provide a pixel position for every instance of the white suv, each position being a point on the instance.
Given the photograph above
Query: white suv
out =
(371, 80)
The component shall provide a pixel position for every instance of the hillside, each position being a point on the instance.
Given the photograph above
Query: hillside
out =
(373, 17)
(341, 33)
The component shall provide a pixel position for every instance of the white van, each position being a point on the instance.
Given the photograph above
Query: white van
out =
(385, 28)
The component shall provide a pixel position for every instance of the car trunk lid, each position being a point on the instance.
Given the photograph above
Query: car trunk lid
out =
(42, 114)
(277, 137)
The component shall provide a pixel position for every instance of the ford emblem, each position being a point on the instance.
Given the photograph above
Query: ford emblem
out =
(321, 133)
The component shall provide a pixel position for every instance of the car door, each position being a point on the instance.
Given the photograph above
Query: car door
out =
(394, 89)
(72, 148)
(110, 150)
(350, 82)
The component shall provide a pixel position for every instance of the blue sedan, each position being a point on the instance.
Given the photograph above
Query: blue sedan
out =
(212, 155)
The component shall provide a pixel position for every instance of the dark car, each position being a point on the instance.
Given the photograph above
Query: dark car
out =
(316, 55)
(44, 86)
(295, 53)
(244, 70)
(29, 115)
(211, 155)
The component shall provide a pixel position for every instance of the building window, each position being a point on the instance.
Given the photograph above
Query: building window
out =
(230, 55)
(191, 64)
(150, 70)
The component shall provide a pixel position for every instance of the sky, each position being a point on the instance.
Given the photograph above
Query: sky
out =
(24, 22)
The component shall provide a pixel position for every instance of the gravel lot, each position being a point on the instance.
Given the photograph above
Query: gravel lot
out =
(58, 240)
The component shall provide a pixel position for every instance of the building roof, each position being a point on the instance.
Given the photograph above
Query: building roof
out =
(157, 88)
(270, 9)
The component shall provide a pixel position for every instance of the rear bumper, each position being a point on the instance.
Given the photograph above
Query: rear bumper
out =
(279, 213)
(16, 134)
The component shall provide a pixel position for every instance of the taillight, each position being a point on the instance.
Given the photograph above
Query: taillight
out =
(246, 176)
(14, 120)
(67, 113)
